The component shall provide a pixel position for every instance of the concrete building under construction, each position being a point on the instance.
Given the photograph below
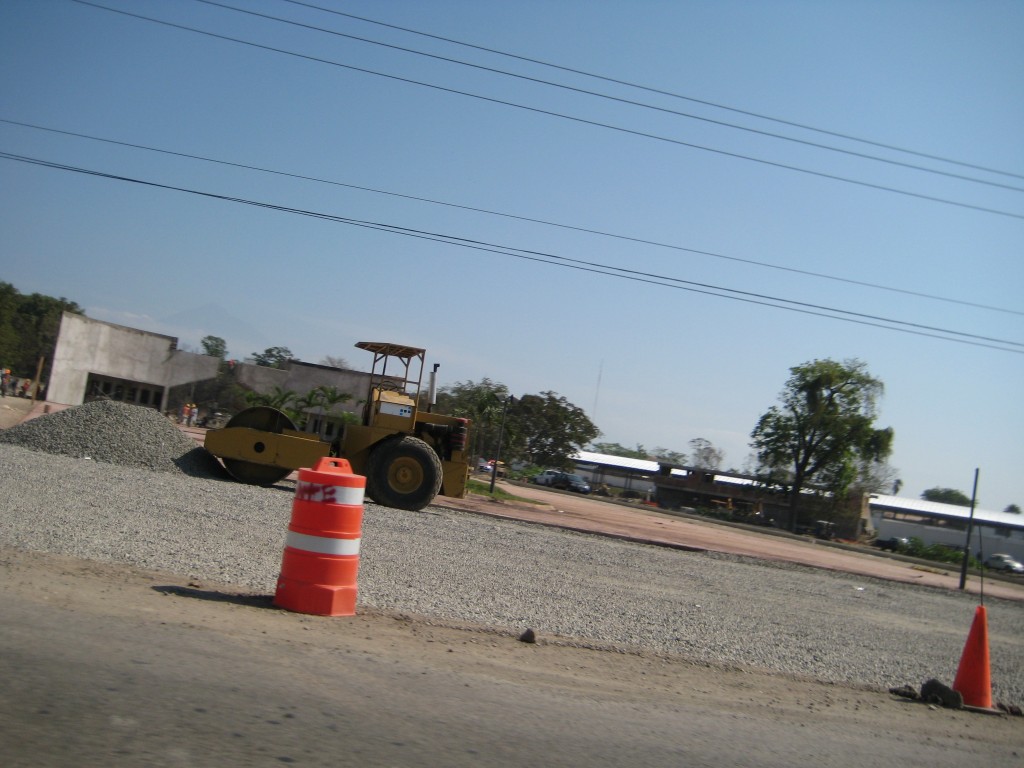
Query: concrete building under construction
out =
(94, 360)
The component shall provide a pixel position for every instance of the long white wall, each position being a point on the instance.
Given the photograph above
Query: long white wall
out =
(982, 538)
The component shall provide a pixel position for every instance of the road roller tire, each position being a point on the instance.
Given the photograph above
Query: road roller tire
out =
(404, 473)
(249, 473)
(262, 418)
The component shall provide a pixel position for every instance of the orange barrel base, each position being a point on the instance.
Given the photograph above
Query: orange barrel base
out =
(321, 555)
(320, 584)
(318, 599)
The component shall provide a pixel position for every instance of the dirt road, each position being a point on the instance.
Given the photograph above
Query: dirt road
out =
(107, 665)
(14, 410)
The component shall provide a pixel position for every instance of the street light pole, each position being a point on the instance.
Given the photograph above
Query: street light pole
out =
(967, 538)
(501, 434)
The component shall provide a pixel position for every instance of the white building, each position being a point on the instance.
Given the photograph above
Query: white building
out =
(616, 471)
(94, 359)
(935, 523)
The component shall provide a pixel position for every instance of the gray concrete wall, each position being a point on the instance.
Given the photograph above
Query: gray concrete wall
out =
(260, 378)
(184, 367)
(302, 377)
(87, 346)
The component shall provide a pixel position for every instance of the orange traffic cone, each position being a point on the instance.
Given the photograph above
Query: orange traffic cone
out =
(973, 681)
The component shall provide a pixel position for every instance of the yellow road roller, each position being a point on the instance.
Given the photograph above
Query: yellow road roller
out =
(409, 455)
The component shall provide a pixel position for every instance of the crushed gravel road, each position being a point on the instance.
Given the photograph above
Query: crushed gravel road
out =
(145, 498)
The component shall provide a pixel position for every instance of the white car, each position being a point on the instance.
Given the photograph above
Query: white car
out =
(1005, 563)
(565, 481)
(546, 477)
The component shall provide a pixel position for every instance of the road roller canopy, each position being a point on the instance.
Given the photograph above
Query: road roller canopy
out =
(391, 350)
(408, 377)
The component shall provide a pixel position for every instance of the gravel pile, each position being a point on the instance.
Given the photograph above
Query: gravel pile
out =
(457, 567)
(115, 433)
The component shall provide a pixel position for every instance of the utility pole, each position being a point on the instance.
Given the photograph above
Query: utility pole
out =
(39, 376)
(501, 434)
(967, 542)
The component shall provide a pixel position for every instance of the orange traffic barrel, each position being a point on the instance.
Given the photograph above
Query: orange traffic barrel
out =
(321, 554)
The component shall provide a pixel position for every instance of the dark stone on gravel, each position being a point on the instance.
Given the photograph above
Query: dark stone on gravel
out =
(906, 691)
(934, 692)
(529, 636)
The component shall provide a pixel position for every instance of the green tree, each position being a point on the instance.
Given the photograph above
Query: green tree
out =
(539, 429)
(279, 398)
(214, 346)
(482, 403)
(823, 427)
(28, 329)
(876, 477)
(335, 362)
(947, 496)
(1012, 509)
(668, 456)
(705, 455)
(614, 449)
(272, 357)
(546, 430)
(323, 398)
(9, 301)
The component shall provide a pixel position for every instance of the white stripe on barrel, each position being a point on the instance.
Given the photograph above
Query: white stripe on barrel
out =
(322, 545)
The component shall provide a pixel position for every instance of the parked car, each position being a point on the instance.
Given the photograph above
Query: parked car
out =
(545, 477)
(1005, 563)
(565, 481)
(483, 465)
(573, 483)
(893, 544)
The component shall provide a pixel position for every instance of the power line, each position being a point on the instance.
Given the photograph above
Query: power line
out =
(650, 89)
(581, 265)
(544, 222)
(551, 113)
(617, 99)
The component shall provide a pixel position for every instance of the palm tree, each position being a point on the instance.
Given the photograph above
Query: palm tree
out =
(277, 398)
(323, 398)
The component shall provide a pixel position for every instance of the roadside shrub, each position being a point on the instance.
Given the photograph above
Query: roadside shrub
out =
(939, 553)
(715, 513)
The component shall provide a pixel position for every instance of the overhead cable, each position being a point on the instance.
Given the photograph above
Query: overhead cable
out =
(551, 113)
(1003, 345)
(650, 89)
(617, 99)
(627, 238)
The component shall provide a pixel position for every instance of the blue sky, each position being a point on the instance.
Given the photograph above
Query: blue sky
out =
(652, 364)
